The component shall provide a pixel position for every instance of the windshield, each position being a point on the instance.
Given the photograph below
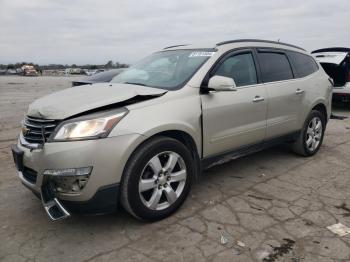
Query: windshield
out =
(167, 69)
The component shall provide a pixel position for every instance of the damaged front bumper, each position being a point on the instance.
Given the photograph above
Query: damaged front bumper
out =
(52, 205)
(75, 177)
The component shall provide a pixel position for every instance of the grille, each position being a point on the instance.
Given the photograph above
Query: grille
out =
(29, 174)
(37, 130)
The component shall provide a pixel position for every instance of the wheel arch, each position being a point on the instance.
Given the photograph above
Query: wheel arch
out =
(189, 142)
(322, 109)
(181, 136)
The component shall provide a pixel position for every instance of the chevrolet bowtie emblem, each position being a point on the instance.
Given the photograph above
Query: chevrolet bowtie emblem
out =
(25, 130)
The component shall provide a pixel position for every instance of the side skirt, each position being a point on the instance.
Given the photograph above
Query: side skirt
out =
(221, 158)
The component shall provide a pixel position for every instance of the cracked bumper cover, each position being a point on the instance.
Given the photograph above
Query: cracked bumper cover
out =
(105, 199)
(107, 157)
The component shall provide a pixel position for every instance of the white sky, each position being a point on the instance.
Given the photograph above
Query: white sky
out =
(92, 31)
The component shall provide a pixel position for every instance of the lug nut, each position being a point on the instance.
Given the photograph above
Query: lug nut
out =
(165, 185)
(160, 187)
(156, 181)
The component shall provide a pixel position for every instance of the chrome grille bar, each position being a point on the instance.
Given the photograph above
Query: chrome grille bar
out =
(38, 130)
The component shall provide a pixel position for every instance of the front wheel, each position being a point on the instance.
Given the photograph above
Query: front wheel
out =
(311, 136)
(157, 179)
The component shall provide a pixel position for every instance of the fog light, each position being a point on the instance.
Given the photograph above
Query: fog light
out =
(69, 180)
(82, 171)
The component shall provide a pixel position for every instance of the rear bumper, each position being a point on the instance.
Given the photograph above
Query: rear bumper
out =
(341, 97)
(341, 94)
(342, 89)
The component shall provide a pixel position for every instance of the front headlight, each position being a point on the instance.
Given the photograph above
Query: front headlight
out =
(88, 128)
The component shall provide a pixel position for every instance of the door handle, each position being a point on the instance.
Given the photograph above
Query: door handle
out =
(258, 99)
(299, 91)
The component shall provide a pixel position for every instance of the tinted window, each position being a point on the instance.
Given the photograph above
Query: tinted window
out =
(239, 67)
(303, 64)
(274, 67)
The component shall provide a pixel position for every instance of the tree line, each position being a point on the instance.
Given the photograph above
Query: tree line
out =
(110, 64)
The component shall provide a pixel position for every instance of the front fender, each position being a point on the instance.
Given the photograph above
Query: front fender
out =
(180, 114)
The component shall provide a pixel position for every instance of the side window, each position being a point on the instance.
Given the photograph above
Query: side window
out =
(303, 64)
(274, 67)
(240, 67)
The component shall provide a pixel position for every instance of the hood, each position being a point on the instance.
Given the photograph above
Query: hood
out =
(73, 101)
(330, 57)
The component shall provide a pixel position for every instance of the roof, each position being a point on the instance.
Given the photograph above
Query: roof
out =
(332, 49)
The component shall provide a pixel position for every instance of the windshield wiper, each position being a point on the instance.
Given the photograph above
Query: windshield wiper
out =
(135, 83)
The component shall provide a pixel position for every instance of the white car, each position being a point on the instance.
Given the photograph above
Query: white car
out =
(336, 62)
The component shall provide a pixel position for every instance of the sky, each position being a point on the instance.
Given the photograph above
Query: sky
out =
(94, 32)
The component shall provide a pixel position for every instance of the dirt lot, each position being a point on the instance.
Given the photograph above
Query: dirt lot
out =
(271, 205)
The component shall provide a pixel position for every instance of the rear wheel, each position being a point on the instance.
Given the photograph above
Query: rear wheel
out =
(157, 179)
(311, 137)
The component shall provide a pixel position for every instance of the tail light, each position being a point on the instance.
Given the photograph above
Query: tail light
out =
(348, 78)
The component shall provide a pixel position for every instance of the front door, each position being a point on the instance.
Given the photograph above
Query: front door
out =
(234, 119)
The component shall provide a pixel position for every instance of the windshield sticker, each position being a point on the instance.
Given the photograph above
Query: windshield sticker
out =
(196, 54)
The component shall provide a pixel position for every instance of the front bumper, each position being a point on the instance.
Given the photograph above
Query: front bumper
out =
(107, 157)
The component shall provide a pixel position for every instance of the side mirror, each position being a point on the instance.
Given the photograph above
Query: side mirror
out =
(221, 83)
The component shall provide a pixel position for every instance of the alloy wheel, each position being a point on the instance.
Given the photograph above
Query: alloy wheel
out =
(162, 180)
(314, 134)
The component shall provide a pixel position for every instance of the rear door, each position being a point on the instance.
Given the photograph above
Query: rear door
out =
(234, 119)
(330, 57)
(285, 94)
(336, 65)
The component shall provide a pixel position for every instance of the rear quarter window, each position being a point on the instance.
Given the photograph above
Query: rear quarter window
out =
(274, 67)
(304, 65)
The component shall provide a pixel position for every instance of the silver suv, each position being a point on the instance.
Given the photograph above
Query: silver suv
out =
(142, 139)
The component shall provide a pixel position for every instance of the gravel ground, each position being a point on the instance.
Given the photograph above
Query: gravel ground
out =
(270, 206)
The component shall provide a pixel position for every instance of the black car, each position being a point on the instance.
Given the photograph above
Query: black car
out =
(102, 77)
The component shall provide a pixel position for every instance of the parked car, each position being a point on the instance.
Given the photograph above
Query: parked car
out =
(90, 72)
(336, 62)
(11, 72)
(29, 70)
(103, 77)
(143, 139)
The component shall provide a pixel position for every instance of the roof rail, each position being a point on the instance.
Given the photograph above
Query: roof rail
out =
(257, 40)
(173, 46)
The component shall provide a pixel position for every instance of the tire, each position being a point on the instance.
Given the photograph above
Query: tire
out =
(302, 146)
(150, 175)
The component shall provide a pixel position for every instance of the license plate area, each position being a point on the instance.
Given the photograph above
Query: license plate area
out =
(17, 157)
